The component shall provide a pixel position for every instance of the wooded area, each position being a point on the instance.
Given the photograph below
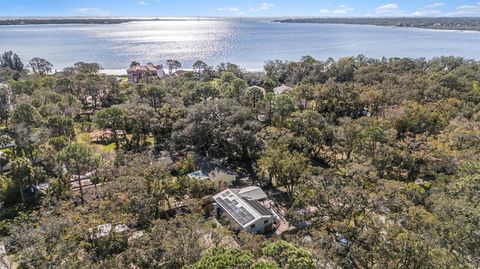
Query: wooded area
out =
(376, 162)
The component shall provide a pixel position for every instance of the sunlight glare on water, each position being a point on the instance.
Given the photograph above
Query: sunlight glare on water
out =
(247, 42)
(181, 40)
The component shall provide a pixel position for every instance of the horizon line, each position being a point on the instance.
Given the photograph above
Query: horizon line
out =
(197, 16)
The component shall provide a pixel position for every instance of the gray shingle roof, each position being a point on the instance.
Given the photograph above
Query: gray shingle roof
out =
(261, 209)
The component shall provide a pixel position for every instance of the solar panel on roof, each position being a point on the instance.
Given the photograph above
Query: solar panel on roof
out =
(240, 214)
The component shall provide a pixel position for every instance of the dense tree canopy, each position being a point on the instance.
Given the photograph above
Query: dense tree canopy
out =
(375, 163)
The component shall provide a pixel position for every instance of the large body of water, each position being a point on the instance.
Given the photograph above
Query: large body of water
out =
(248, 43)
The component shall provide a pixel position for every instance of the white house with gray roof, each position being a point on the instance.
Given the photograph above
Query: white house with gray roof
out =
(250, 215)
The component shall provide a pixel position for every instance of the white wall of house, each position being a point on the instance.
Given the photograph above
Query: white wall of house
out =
(259, 225)
(161, 73)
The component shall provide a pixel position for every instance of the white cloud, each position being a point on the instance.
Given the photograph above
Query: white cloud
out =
(429, 10)
(263, 6)
(466, 10)
(423, 13)
(391, 9)
(229, 9)
(235, 10)
(92, 11)
(435, 5)
(466, 7)
(142, 3)
(388, 7)
(342, 9)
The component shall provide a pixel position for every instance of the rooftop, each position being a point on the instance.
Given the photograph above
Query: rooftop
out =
(145, 68)
(213, 170)
(251, 192)
(243, 211)
(281, 89)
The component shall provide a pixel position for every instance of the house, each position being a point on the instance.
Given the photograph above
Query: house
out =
(251, 193)
(106, 135)
(137, 72)
(250, 215)
(214, 171)
(101, 136)
(281, 89)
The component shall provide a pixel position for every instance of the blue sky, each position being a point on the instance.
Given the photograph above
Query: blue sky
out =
(231, 8)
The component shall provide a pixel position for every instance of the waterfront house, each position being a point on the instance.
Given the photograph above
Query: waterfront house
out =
(244, 213)
(137, 72)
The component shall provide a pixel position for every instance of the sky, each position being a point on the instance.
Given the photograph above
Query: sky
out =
(248, 8)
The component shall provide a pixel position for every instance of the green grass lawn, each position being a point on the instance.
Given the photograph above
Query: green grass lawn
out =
(108, 147)
(84, 138)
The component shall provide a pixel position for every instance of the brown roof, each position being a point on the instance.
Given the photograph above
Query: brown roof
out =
(99, 134)
(144, 68)
(150, 67)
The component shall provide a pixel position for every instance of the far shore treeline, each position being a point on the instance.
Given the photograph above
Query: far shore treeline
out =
(439, 23)
(370, 163)
(77, 20)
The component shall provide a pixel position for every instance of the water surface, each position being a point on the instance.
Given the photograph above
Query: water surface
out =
(248, 43)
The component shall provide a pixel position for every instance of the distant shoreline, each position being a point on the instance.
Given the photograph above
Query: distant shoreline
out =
(440, 23)
(31, 21)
